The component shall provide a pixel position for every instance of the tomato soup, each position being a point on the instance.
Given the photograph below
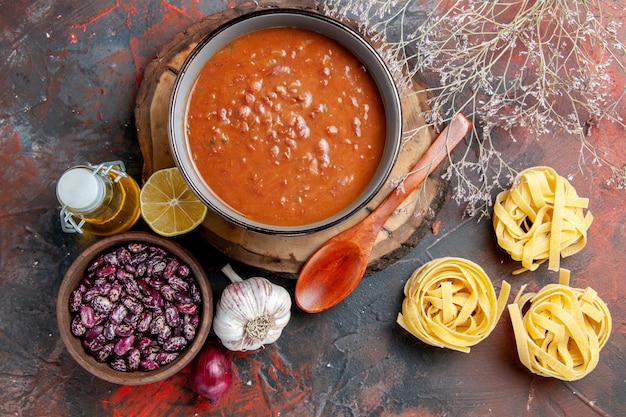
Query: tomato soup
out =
(286, 126)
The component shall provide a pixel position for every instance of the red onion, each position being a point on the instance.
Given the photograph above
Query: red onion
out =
(211, 374)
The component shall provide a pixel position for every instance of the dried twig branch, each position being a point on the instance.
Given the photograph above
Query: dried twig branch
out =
(541, 65)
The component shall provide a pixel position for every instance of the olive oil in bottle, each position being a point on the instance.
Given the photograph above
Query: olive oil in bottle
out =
(102, 200)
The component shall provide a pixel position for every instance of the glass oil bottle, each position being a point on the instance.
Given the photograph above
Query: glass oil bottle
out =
(101, 200)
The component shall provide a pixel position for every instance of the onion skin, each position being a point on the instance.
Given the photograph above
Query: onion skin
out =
(212, 374)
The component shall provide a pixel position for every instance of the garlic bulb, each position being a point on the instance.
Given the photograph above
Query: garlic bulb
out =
(250, 313)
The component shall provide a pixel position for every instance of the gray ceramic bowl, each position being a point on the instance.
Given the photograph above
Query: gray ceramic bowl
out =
(238, 27)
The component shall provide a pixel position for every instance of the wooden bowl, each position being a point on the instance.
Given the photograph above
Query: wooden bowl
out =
(78, 270)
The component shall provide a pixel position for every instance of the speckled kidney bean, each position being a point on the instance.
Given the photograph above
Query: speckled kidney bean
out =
(100, 318)
(78, 328)
(156, 326)
(155, 250)
(183, 271)
(171, 268)
(168, 292)
(163, 358)
(143, 286)
(123, 275)
(141, 270)
(172, 316)
(136, 247)
(131, 287)
(178, 284)
(99, 282)
(101, 304)
(196, 297)
(175, 344)
(123, 255)
(154, 282)
(123, 345)
(94, 332)
(154, 301)
(124, 330)
(158, 268)
(82, 287)
(144, 343)
(115, 292)
(133, 358)
(87, 316)
(143, 325)
(131, 319)
(138, 258)
(148, 365)
(76, 300)
(103, 354)
(183, 297)
(187, 308)
(89, 294)
(109, 330)
(135, 308)
(132, 304)
(95, 263)
(106, 270)
(119, 364)
(189, 331)
(118, 313)
(111, 258)
(97, 343)
(164, 334)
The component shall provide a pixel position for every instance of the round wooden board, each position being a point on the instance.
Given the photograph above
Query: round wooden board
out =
(286, 254)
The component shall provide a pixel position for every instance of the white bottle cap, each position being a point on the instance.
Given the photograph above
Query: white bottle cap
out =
(80, 189)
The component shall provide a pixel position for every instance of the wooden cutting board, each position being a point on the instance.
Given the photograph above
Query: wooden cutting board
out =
(286, 254)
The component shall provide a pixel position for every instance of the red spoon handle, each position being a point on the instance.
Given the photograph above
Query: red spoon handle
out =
(436, 153)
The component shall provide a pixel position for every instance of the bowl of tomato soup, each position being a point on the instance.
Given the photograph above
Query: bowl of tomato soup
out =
(285, 122)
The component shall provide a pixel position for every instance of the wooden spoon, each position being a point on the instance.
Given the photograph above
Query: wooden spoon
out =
(336, 268)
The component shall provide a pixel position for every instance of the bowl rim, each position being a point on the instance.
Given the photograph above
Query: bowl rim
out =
(102, 370)
(309, 20)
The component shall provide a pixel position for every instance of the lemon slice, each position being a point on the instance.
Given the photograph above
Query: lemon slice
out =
(168, 206)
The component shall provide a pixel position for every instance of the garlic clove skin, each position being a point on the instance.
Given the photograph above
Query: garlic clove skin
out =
(251, 314)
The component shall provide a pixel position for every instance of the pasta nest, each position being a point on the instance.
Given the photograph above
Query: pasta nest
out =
(563, 330)
(450, 302)
(540, 218)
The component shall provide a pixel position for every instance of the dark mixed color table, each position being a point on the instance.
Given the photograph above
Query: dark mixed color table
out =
(71, 72)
